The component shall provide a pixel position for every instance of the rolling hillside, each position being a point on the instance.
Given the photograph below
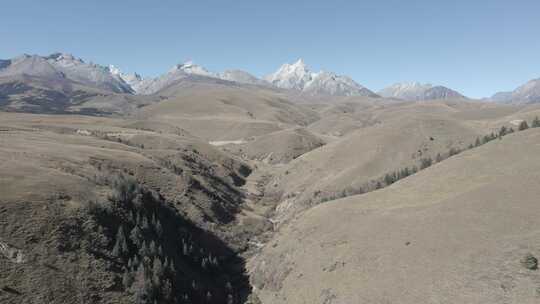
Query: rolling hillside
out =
(457, 232)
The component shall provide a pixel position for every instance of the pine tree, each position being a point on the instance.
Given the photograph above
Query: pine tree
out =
(144, 251)
(166, 290)
(120, 247)
(153, 249)
(535, 123)
(159, 228)
(425, 162)
(477, 143)
(144, 224)
(184, 248)
(166, 264)
(153, 221)
(125, 189)
(157, 272)
(140, 219)
(136, 236)
(503, 131)
(453, 151)
(142, 286)
(127, 279)
(406, 172)
(172, 268)
(523, 126)
(203, 263)
(388, 179)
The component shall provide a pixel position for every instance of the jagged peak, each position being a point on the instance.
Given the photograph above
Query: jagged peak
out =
(297, 76)
(189, 67)
(58, 56)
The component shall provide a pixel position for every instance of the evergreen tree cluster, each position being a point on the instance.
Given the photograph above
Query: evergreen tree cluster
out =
(425, 162)
(162, 257)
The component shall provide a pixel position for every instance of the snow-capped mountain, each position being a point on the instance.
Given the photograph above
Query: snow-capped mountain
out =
(132, 79)
(291, 76)
(30, 65)
(527, 93)
(64, 68)
(190, 70)
(177, 73)
(68, 69)
(89, 74)
(415, 91)
(297, 76)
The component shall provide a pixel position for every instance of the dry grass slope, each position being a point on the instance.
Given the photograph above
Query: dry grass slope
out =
(453, 233)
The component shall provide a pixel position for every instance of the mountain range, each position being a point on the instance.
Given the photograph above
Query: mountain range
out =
(65, 69)
(68, 74)
(524, 94)
(297, 76)
(415, 91)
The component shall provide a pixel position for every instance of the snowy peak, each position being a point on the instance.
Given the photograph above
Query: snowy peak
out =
(294, 76)
(291, 76)
(64, 60)
(89, 74)
(134, 80)
(30, 65)
(416, 91)
(190, 68)
(67, 69)
(297, 76)
(174, 75)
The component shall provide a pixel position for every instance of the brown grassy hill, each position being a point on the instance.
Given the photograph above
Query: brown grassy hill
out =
(457, 232)
(403, 137)
(32, 94)
(225, 112)
(342, 117)
(161, 204)
(355, 162)
(279, 147)
(69, 184)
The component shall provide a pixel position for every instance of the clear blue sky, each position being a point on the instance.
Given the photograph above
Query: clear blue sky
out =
(475, 46)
